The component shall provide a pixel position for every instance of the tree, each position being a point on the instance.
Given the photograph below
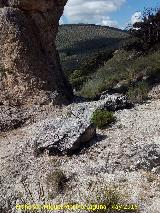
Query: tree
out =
(148, 30)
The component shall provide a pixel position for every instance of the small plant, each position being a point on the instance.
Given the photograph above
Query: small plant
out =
(120, 126)
(56, 182)
(102, 118)
(139, 93)
(106, 199)
(3, 71)
(77, 79)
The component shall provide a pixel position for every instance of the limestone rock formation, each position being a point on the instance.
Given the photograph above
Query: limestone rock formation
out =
(71, 131)
(30, 69)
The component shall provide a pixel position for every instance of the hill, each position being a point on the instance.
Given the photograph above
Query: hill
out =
(92, 65)
(76, 42)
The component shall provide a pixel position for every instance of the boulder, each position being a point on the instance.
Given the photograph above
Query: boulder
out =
(66, 133)
(69, 132)
(30, 70)
(115, 101)
(63, 136)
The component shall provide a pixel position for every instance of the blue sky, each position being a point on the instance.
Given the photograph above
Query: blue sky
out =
(117, 13)
(124, 14)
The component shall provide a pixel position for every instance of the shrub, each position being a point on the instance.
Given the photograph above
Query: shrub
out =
(114, 71)
(92, 88)
(109, 198)
(102, 118)
(96, 61)
(148, 30)
(139, 93)
(78, 77)
(132, 43)
(56, 182)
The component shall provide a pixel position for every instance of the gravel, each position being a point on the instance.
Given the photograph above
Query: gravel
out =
(124, 157)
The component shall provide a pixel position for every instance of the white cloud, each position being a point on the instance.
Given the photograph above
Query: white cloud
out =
(106, 21)
(92, 11)
(136, 17)
(61, 21)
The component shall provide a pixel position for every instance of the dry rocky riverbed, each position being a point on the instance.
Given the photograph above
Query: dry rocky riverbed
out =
(122, 160)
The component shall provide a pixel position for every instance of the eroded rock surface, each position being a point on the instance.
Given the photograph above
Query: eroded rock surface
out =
(124, 157)
(30, 68)
(72, 130)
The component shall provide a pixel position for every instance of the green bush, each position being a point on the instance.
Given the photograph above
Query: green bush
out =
(96, 61)
(139, 93)
(77, 79)
(76, 74)
(102, 118)
(132, 43)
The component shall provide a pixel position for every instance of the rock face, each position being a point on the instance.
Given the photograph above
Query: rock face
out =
(30, 68)
(10, 118)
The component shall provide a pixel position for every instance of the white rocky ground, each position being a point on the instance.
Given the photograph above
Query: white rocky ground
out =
(124, 158)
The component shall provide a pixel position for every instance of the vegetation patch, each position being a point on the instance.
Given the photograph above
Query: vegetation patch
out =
(56, 183)
(78, 77)
(139, 93)
(102, 118)
(109, 199)
(128, 67)
(75, 47)
(114, 71)
(147, 31)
